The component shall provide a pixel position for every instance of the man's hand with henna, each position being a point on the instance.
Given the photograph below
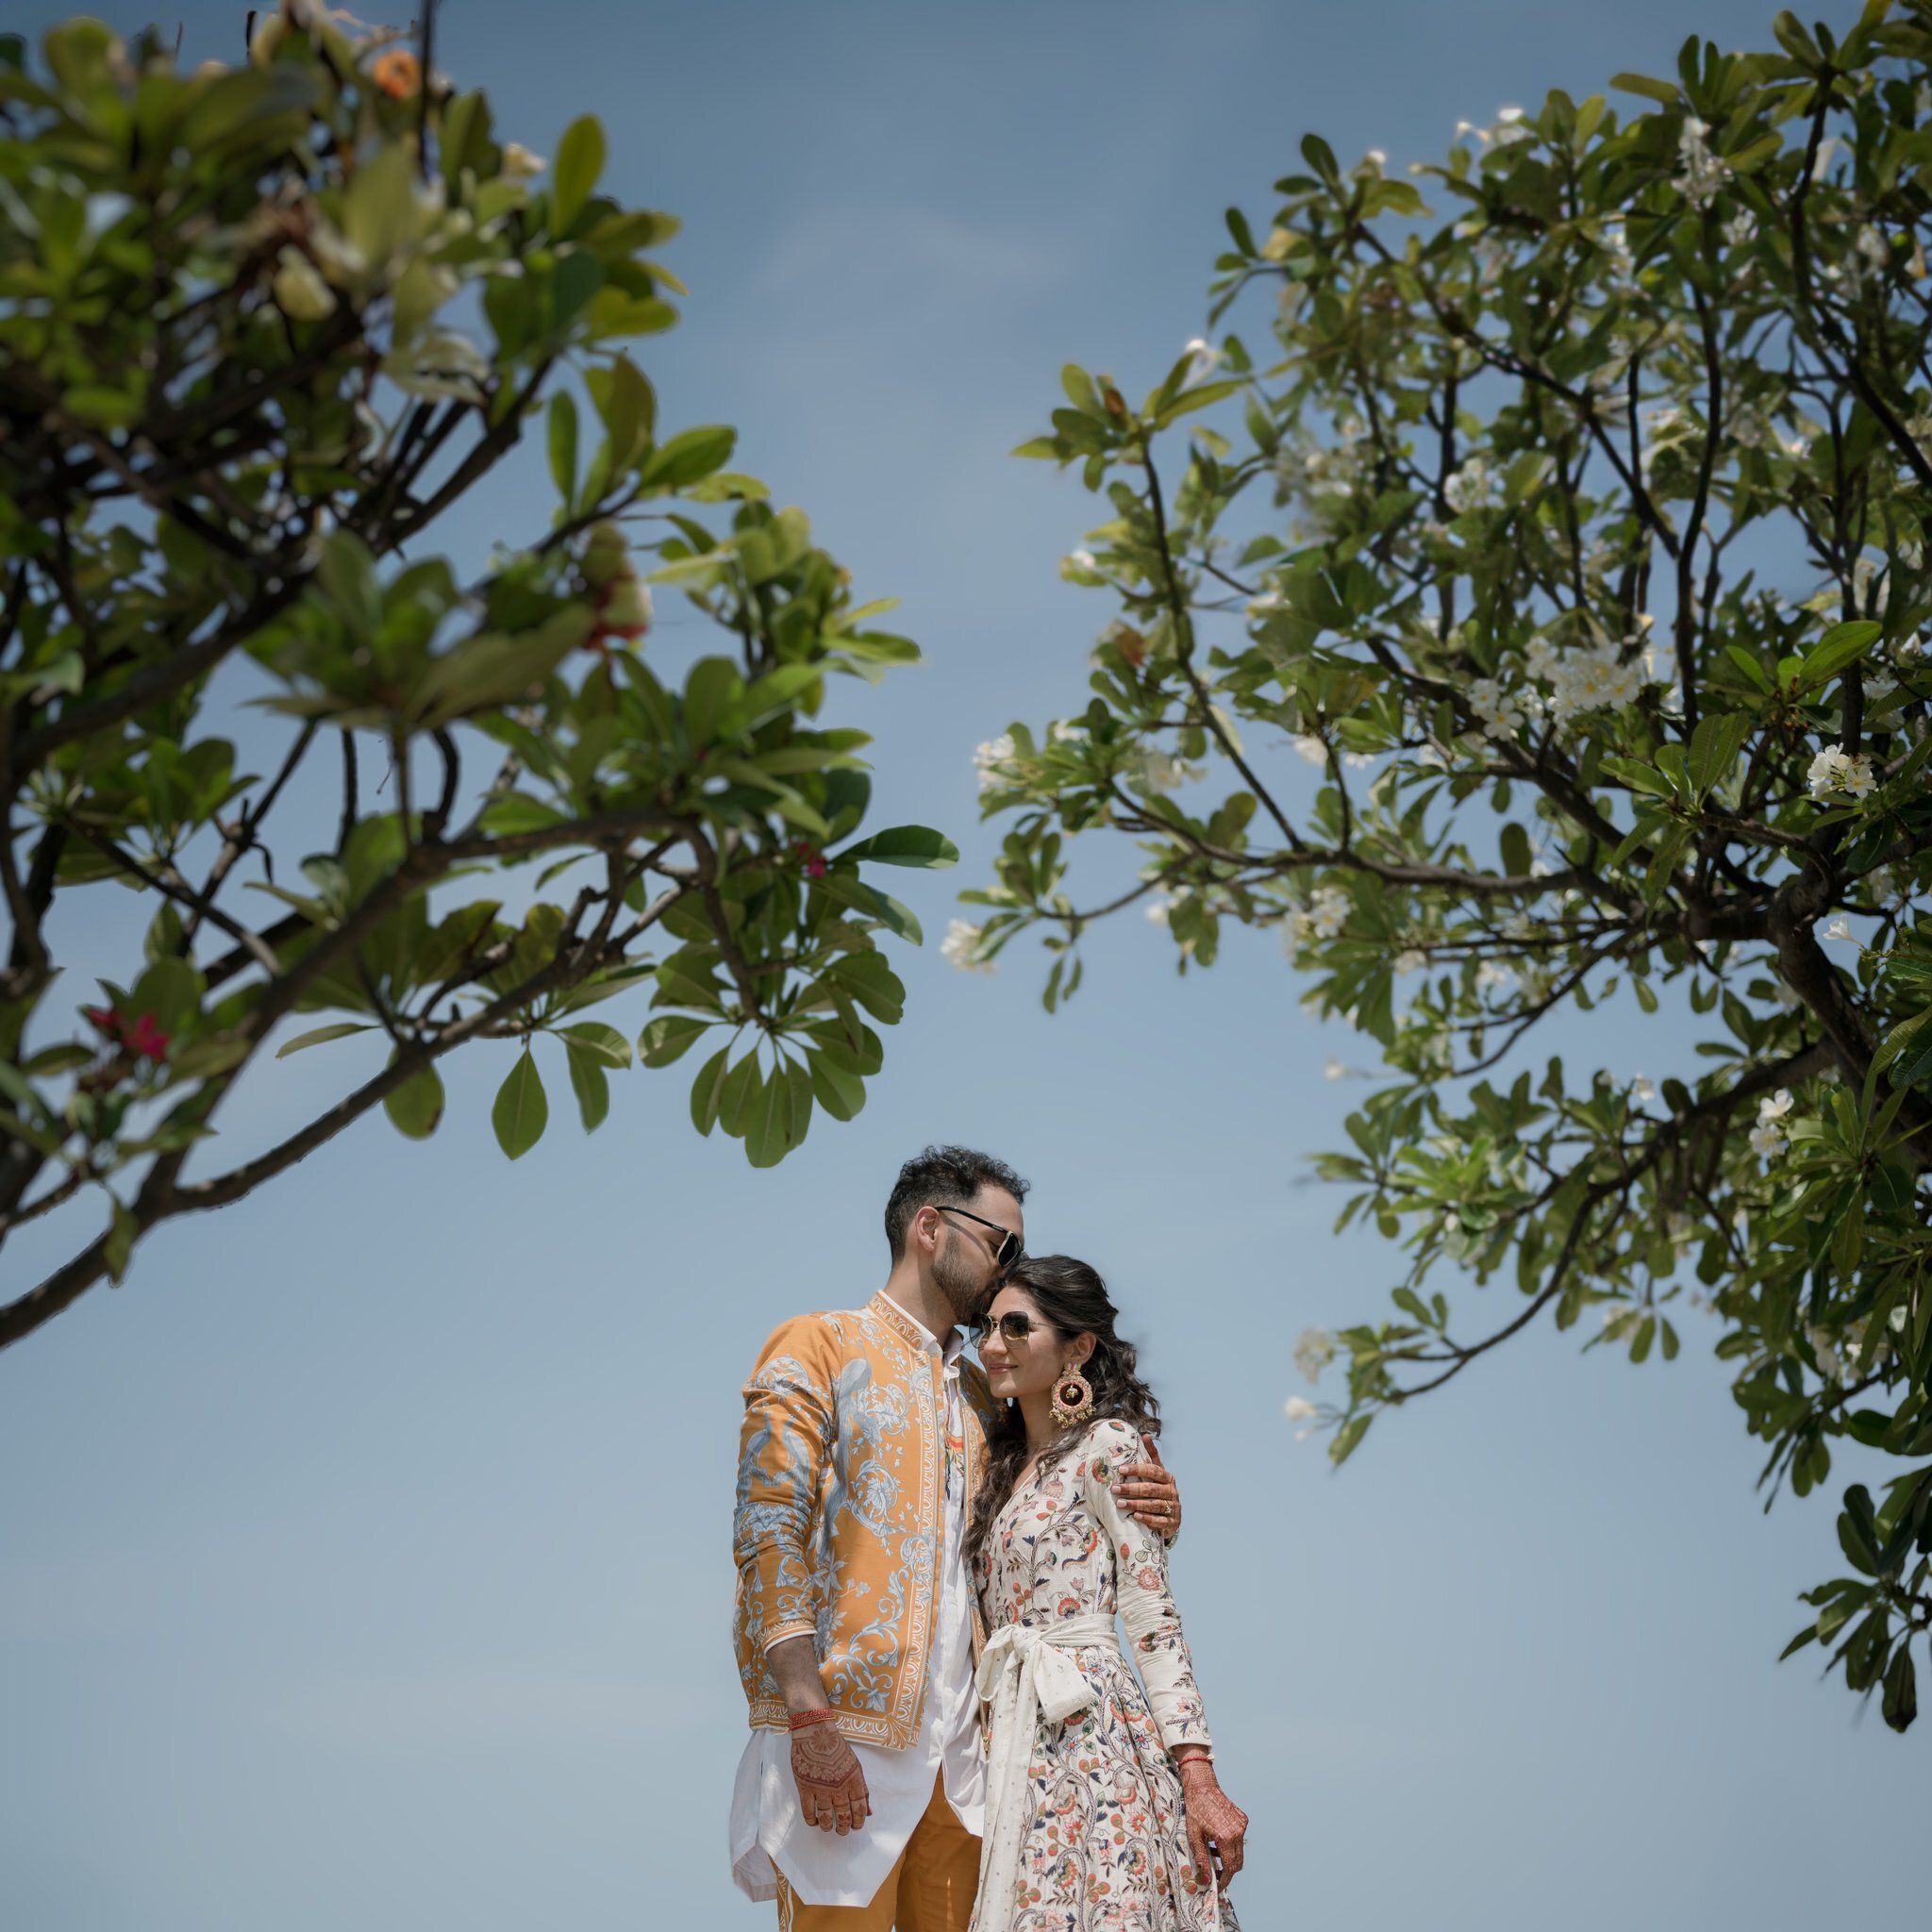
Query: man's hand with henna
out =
(831, 1786)
(1148, 1494)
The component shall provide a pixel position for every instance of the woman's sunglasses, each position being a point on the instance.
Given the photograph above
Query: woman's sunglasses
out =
(1014, 1325)
(1006, 1256)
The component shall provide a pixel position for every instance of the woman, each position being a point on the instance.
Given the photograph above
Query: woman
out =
(1100, 1813)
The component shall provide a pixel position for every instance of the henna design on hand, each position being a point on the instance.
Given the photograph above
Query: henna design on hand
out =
(831, 1785)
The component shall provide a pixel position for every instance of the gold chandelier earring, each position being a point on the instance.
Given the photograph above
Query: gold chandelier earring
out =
(1073, 1399)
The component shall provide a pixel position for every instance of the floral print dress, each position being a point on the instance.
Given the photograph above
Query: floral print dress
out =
(1105, 1844)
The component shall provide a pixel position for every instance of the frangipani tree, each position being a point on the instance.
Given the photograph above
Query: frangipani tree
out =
(261, 329)
(1573, 525)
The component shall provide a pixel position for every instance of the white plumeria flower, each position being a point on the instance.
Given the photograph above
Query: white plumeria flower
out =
(1203, 360)
(1328, 912)
(1314, 1349)
(442, 366)
(1068, 731)
(1766, 1138)
(1493, 972)
(1299, 1409)
(991, 759)
(1701, 174)
(1502, 714)
(1332, 1069)
(1312, 747)
(1161, 772)
(519, 163)
(1840, 929)
(1775, 1107)
(1468, 488)
(299, 289)
(961, 947)
(1641, 1091)
(1078, 560)
(1157, 911)
(1829, 1366)
(1410, 959)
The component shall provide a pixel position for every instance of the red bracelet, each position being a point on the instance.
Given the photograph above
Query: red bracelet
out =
(1187, 1764)
(804, 1720)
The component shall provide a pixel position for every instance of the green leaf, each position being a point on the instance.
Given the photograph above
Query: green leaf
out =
(707, 1091)
(1842, 644)
(914, 846)
(743, 1088)
(871, 983)
(711, 692)
(1348, 1437)
(1664, 91)
(668, 1038)
(1900, 1704)
(1714, 748)
(563, 447)
(522, 1111)
(839, 1090)
(123, 1230)
(415, 1108)
(579, 162)
(341, 1030)
(589, 1082)
(628, 412)
(687, 458)
(600, 1041)
(768, 1123)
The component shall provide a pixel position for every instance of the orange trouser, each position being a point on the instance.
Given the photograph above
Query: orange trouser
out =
(930, 1889)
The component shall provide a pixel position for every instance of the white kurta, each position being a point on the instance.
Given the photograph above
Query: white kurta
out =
(768, 1830)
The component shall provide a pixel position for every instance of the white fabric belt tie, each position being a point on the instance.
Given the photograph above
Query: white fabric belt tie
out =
(1025, 1674)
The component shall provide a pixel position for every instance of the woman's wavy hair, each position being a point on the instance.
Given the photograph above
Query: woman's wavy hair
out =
(1072, 1300)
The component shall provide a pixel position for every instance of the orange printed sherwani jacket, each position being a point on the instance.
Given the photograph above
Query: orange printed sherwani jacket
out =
(840, 1481)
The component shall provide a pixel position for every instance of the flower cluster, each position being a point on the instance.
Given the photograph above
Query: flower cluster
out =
(1768, 1135)
(624, 603)
(1324, 916)
(1592, 679)
(1469, 488)
(1158, 771)
(140, 1036)
(991, 760)
(1313, 1350)
(1700, 173)
(1838, 770)
(961, 947)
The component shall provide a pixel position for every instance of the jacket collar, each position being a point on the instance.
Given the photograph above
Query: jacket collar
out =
(915, 1334)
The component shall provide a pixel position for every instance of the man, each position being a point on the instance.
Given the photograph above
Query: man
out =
(859, 1796)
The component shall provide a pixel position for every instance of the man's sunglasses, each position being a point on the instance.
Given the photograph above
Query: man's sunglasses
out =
(1006, 1256)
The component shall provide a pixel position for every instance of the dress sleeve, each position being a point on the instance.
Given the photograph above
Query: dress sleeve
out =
(790, 1421)
(1147, 1604)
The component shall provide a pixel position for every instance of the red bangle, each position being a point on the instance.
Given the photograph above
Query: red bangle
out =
(802, 1719)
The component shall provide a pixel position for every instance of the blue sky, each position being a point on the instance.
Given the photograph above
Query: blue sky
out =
(365, 1560)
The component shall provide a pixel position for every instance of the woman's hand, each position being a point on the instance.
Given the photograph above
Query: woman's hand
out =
(1216, 1824)
(831, 1786)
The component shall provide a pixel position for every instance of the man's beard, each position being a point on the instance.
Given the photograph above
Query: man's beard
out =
(967, 1291)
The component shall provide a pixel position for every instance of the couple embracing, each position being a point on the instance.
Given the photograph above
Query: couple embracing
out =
(945, 1731)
